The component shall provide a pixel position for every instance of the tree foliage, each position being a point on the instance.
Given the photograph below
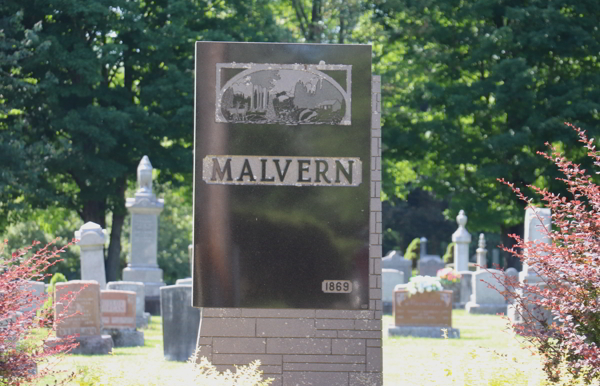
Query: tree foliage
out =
(473, 88)
(22, 349)
(568, 268)
(101, 85)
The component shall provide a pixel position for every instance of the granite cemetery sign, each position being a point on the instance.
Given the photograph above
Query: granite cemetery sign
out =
(287, 211)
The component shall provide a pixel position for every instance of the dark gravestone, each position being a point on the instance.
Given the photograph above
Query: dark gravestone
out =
(429, 265)
(180, 322)
(395, 260)
(282, 165)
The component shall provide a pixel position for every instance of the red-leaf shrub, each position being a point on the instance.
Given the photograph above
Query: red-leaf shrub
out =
(22, 340)
(570, 271)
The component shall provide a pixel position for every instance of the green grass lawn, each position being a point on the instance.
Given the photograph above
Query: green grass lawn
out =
(127, 366)
(406, 361)
(468, 360)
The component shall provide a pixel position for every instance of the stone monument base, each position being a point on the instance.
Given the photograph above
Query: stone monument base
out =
(152, 305)
(388, 308)
(88, 345)
(423, 331)
(493, 309)
(125, 337)
(143, 320)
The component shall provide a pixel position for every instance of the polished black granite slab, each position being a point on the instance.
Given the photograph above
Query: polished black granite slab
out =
(282, 175)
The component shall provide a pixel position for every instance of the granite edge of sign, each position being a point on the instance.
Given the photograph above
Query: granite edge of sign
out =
(308, 346)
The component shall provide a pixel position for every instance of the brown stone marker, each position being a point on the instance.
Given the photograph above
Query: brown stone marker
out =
(426, 309)
(86, 304)
(118, 309)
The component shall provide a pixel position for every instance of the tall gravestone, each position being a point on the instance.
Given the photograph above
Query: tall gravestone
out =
(461, 239)
(144, 209)
(537, 221)
(287, 211)
(91, 242)
(495, 258)
(535, 231)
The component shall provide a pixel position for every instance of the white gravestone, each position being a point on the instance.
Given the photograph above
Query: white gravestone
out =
(37, 289)
(486, 300)
(390, 279)
(395, 260)
(481, 253)
(144, 209)
(461, 239)
(91, 242)
(512, 274)
(495, 258)
(535, 231)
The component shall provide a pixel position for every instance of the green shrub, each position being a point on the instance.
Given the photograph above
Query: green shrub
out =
(412, 251)
(56, 278)
(449, 255)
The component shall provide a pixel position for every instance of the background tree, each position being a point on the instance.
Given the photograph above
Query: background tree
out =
(113, 81)
(481, 87)
(320, 21)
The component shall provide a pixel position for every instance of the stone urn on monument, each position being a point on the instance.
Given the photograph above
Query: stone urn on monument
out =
(142, 266)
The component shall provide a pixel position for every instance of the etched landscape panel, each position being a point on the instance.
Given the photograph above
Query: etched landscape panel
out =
(289, 94)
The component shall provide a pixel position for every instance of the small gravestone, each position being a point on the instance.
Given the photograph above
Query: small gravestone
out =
(423, 314)
(395, 260)
(486, 300)
(186, 281)
(513, 275)
(180, 322)
(142, 317)
(429, 265)
(119, 318)
(86, 320)
(37, 289)
(390, 278)
(91, 242)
